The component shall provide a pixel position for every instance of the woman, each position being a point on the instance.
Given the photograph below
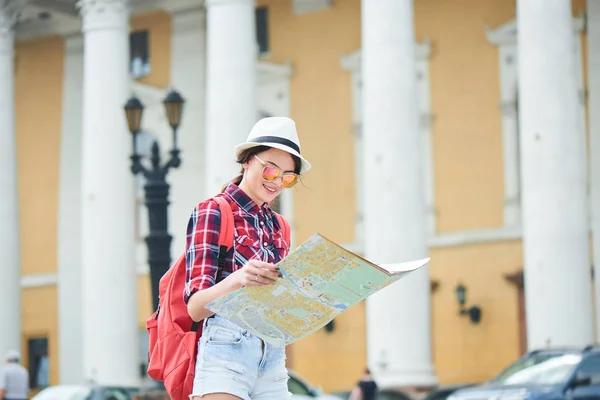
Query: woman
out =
(232, 363)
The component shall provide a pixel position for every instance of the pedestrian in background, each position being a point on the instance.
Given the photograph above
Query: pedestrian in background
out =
(366, 388)
(14, 378)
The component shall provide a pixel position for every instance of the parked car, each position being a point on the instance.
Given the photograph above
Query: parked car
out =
(543, 375)
(299, 387)
(443, 392)
(384, 394)
(302, 390)
(85, 392)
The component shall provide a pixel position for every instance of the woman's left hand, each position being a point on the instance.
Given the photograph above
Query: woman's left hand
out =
(257, 273)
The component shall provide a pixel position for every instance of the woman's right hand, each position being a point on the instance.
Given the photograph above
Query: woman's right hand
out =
(256, 273)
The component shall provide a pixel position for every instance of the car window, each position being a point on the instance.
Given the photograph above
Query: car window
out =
(552, 371)
(115, 394)
(525, 363)
(591, 367)
(297, 387)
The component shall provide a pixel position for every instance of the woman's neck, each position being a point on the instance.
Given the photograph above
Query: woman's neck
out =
(246, 189)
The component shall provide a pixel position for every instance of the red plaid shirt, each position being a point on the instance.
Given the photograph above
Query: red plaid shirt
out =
(257, 235)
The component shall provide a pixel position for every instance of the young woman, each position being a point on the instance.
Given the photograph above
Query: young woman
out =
(232, 363)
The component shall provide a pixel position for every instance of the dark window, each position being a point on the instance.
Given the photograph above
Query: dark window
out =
(39, 367)
(262, 29)
(139, 53)
(115, 394)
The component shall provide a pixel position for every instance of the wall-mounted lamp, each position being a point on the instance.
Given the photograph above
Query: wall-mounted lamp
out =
(474, 312)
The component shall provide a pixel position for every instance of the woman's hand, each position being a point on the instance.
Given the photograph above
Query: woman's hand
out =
(256, 273)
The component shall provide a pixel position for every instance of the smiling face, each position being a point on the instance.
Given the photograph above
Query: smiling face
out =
(255, 185)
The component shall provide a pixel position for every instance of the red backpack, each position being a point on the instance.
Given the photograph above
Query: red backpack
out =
(173, 335)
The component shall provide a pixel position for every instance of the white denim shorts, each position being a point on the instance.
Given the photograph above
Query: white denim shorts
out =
(231, 360)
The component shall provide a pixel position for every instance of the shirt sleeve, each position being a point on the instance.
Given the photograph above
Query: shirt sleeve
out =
(202, 248)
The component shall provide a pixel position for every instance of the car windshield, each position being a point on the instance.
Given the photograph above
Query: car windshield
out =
(63, 393)
(549, 370)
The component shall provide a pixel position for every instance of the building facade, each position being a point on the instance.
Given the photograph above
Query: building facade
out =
(453, 129)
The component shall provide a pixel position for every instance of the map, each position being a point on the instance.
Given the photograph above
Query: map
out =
(320, 280)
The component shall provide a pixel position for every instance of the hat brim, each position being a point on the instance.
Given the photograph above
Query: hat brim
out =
(248, 145)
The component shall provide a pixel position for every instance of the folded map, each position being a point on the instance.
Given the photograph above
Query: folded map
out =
(321, 279)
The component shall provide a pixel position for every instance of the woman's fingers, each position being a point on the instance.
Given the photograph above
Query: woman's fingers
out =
(258, 273)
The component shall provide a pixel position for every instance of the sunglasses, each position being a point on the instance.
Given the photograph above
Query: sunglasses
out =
(270, 172)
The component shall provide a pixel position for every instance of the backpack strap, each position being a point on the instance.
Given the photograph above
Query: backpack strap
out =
(285, 226)
(225, 239)
(225, 230)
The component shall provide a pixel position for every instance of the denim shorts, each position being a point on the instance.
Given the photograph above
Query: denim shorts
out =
(231, 360)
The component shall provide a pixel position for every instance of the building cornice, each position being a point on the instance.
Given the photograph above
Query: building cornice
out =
(352, 61)
(507, 32)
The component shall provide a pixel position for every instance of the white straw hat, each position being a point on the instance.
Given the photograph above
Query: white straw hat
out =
(277, 132)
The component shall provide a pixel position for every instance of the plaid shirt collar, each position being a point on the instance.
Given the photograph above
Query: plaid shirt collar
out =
(243, 200)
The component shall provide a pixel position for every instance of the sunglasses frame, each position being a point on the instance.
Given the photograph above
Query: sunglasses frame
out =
(281, 174)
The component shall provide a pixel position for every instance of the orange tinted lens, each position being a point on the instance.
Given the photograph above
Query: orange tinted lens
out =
(289, 180)
(270, 173)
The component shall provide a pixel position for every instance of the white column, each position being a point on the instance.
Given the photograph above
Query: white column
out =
(69, 217)
(398, 318)
(593, 40)
(110, 334)
(231, 56)
(553, 176)
(188, 60)
(10, 267)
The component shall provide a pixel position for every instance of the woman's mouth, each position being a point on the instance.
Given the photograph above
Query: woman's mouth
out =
(269, 189)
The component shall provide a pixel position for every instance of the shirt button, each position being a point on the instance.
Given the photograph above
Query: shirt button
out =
(265, 244)
(262, 222)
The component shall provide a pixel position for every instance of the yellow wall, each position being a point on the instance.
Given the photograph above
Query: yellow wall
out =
(321, 106)
(467, 152)
(144, 300)
(467, 143)
(468, 170)
(465, 352)
(38, 102)
(158, 23)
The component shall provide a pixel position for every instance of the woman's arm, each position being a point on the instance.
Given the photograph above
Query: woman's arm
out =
(202, 264)
(201, 298)
(254, 273)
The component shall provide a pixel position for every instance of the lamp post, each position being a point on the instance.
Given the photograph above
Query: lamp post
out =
(156, 188)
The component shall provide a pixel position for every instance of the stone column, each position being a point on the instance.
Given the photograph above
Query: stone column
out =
(398, 318)
(231, 58)
(109, 285)
(593, 51)
(10, 267)
(70, 313)
(553, 176)
(188, 61)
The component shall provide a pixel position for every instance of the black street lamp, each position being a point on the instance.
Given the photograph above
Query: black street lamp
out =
(156, 188)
